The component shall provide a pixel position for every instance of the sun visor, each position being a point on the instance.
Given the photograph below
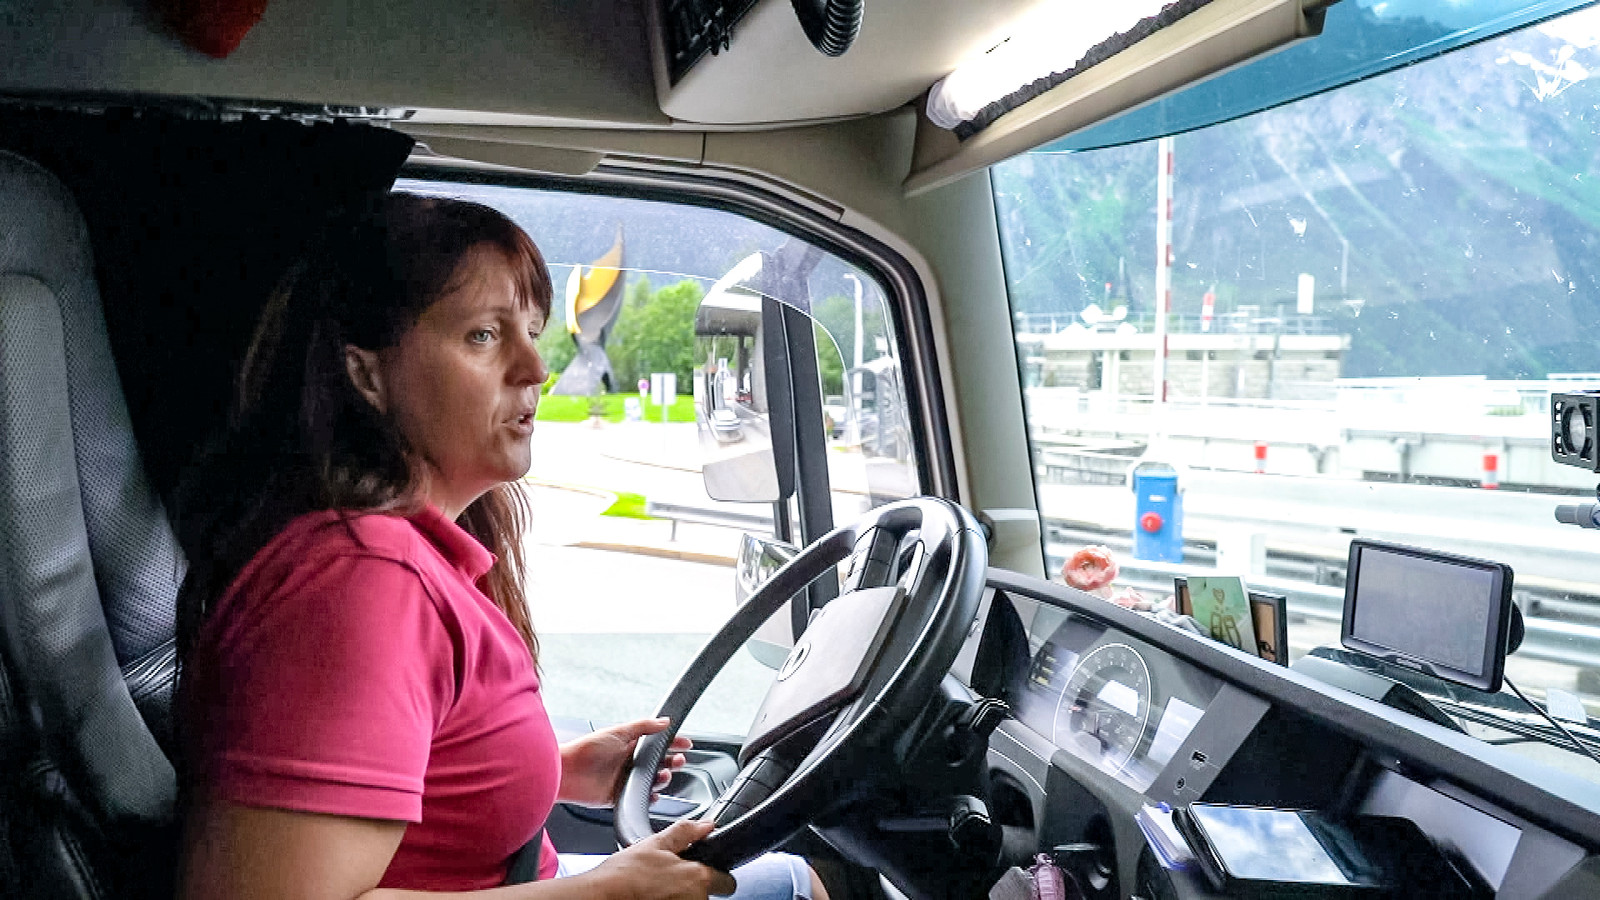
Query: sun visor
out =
(1360, 39)
(1184, 43)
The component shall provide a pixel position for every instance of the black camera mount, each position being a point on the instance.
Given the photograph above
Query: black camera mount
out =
(1574, 419)
(1583, 515)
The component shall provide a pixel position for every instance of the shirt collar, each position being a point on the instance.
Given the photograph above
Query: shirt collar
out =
(459, 548)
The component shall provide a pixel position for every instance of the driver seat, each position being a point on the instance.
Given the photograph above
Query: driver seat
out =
(89, 575)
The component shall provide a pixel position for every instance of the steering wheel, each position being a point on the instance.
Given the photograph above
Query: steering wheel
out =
(845, 705)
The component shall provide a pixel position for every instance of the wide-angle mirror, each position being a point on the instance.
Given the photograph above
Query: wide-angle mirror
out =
(759, 559)
(732, 406)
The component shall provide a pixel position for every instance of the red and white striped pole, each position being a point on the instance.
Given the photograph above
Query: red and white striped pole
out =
(1261, 457)
(1163, 263)
(1208, 308)
(1491, 471)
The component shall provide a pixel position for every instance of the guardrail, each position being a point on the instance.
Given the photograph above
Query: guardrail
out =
(1241, 322)
(1542, 597)
(700, 515)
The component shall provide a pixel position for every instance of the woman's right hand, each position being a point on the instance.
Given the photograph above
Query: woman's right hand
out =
(652, 869)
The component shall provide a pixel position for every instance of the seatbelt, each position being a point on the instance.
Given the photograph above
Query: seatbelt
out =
(525, 862)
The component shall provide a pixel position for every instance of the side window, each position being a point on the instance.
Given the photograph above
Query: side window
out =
(631, 561)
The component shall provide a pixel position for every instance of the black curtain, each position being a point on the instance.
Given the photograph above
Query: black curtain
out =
(192, 223)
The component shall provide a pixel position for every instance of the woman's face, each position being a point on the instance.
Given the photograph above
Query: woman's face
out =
(463, 383)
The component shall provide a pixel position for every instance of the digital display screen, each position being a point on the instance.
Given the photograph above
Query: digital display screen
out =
(1431, 608)
(1050, 665)
(1117, 694)
(1267, 845)
(1177, 721)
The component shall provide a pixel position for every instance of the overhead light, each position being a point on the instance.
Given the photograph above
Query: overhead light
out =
(1050, 38)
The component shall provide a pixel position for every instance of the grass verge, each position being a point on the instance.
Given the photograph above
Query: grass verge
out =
(559, 408)
(628, 506)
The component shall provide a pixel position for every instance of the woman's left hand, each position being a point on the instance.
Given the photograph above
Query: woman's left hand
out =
(593, 767)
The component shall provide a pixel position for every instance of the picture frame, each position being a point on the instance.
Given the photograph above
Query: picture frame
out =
(1269, 611)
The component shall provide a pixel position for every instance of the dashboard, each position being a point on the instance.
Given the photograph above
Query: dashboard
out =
(1113, 711)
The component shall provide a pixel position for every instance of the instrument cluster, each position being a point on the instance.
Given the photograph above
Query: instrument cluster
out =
(1111, 699)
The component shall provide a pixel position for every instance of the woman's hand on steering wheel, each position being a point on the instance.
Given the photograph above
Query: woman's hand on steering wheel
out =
(594, 766)
(653, 870)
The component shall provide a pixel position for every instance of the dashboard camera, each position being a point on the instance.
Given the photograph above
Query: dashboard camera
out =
(1573, 418)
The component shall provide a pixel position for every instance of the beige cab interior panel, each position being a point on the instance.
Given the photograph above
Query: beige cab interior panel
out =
(856, 164)
(586, 60)
(675, 146)
(525, 157)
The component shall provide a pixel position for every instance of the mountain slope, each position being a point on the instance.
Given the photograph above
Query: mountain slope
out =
(1449, 212)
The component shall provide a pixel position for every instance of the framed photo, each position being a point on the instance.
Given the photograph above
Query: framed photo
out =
(1270, 613)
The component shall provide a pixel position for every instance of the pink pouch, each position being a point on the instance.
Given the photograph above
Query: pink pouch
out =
(1049, 882)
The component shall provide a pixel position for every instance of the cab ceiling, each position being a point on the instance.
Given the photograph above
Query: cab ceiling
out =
(540, 61)
(770, 73)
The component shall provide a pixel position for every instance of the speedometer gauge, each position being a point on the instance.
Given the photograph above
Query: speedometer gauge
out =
(1105, 706)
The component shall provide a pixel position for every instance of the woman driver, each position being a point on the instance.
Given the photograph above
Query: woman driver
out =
(359, 703)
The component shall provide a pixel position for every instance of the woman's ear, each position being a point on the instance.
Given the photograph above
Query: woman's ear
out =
(366, 376)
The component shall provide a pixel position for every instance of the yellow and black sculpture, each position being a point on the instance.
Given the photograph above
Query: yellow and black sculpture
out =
(594, 298)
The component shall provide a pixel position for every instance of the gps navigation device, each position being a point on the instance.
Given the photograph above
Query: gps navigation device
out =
(1446, 615)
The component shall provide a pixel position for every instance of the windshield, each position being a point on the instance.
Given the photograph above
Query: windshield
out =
(1373, 294)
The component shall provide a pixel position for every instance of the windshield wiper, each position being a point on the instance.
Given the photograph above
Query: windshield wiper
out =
(1497, 717)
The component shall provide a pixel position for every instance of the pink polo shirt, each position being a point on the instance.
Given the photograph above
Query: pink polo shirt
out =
(355, 668)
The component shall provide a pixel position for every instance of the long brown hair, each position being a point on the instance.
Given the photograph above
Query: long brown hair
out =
(300, 438)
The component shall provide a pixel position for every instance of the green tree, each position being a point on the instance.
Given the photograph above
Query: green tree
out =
(830, 364)
(836, 336)
(655, 333)
(555, 344)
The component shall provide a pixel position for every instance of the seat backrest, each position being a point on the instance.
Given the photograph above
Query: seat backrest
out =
(89, 573)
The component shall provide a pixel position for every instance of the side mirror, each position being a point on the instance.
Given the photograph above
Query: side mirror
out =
(741, 459)
(758, 559)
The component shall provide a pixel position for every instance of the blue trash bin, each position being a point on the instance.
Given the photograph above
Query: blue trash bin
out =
(1158, 513)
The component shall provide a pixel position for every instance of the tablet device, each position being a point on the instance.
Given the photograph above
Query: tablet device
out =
(1259, 851)
(1445, 615)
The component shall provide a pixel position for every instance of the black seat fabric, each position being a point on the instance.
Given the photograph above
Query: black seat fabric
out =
(89, 572)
